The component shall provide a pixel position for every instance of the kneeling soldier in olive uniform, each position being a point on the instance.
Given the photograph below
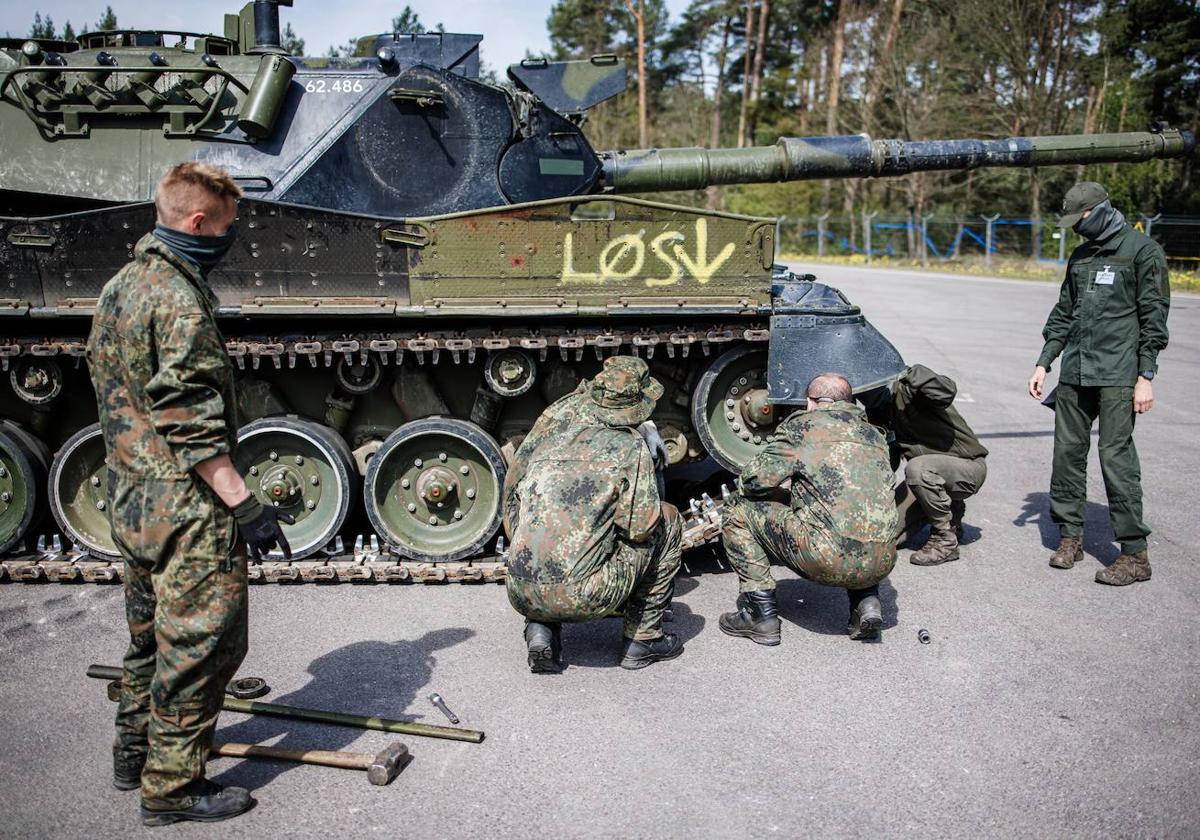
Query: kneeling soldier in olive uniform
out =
(590, 532)
(1110, 324)
(946, 463)
(165, 390)
(836, 524)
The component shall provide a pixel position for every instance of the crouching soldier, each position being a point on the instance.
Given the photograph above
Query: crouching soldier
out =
(945, 462)
(818, 499)
(589, 530)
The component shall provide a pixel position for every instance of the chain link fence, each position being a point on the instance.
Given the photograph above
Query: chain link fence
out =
(978, 238)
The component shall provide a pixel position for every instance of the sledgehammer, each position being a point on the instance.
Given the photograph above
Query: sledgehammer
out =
(381, 769)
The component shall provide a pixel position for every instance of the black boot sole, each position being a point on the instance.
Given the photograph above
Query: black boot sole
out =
(543, 661)
(866, 629)
(767, 639)
(157, 818)
(641, 662)
(126, 784)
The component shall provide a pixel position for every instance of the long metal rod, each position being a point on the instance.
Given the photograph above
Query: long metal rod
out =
(378, 724)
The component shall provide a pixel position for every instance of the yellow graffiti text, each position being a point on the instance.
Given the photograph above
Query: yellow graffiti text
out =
(624, 258)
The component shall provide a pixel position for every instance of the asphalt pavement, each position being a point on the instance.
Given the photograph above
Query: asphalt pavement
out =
(1045, 705)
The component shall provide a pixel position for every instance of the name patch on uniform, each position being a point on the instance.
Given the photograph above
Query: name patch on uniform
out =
(1105, 277)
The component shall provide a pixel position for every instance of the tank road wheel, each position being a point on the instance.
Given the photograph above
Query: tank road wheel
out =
(23, 463)
(302, 468)
(729, 407)
(433, 489)
(79, 492)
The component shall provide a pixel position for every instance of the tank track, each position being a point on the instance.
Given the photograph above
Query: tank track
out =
(368, 561)
(317, 351)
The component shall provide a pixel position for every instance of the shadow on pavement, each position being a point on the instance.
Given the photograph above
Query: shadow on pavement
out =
(1097, 533)
(364, 678)
(597, 644)
(826, 609)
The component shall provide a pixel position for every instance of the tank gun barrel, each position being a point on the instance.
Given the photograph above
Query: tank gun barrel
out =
(858, 156)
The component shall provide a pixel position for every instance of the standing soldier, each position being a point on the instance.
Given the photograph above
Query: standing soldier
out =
(165, 391)
(946, 463)
(1110, 324)
(590, 532)
(819, 499)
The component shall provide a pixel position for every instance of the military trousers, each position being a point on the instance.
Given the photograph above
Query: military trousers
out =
(937, 480)
(640, 576)
(757, 533)
(186, 605)
(1076, 408)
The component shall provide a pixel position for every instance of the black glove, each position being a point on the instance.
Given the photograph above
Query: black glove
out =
(259, 527)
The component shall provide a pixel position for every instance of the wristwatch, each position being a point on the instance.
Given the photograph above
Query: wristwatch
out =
(1146, 374)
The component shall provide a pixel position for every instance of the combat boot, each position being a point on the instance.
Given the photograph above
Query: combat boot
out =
(638, 654)
(1127, 569)
(958, 509)
(128, 775)
(941, 547)
(756, 619)
(1068, 553)
(866, 613)
(214, 804)
(544, 643)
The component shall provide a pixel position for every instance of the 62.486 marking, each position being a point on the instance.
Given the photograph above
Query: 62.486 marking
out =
(334, 86)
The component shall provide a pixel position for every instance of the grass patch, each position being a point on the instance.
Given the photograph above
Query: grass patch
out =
(1185, 280)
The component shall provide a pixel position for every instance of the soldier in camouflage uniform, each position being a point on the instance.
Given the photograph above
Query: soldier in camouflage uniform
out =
(167, 405)
(590, 532)
(817, 498)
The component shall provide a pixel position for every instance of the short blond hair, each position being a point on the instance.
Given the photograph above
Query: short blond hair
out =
(193, 188)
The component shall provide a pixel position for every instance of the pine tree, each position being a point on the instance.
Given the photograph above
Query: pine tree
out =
(108, 20)
(291, 42)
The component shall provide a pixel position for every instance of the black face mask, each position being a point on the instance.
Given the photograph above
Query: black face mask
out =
(1101, 223)
(203, 251)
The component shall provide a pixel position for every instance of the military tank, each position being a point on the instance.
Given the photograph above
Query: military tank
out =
(425, 260)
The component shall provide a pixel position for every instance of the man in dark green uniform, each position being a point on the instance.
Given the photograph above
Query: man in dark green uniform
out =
(167, 404)
(945, 462)
(817, 498)
(1110, 324)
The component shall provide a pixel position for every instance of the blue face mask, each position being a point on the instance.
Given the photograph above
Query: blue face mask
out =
(203, 251)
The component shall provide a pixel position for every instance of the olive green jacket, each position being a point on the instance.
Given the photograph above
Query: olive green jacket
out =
(1110, 321)
(925, 419)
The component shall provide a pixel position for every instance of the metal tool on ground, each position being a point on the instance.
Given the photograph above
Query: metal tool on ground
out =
(436, 699)
(923, 636)
(243, 688)
(251, 707)
(381, 768)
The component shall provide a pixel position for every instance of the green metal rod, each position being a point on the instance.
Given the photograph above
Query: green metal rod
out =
(253, 707)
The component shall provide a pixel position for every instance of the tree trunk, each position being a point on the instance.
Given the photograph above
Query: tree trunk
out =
(639, 16)
(833, 74)
(875, 82)
(746, 73)
(712, 194)
(760, 56)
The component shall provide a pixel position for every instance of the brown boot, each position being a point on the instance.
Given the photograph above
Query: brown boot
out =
(1128, 568)
(1069, 552)
(941, 547)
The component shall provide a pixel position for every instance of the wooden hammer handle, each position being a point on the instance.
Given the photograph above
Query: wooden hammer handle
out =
(325, 758)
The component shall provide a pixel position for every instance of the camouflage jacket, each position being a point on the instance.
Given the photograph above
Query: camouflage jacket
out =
(839, 470)
(164, 384)
(582, 489)
(562, 415)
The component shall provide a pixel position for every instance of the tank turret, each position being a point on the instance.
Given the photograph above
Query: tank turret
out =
(405, 127)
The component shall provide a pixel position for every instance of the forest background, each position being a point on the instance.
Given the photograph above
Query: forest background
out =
(745, 72)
